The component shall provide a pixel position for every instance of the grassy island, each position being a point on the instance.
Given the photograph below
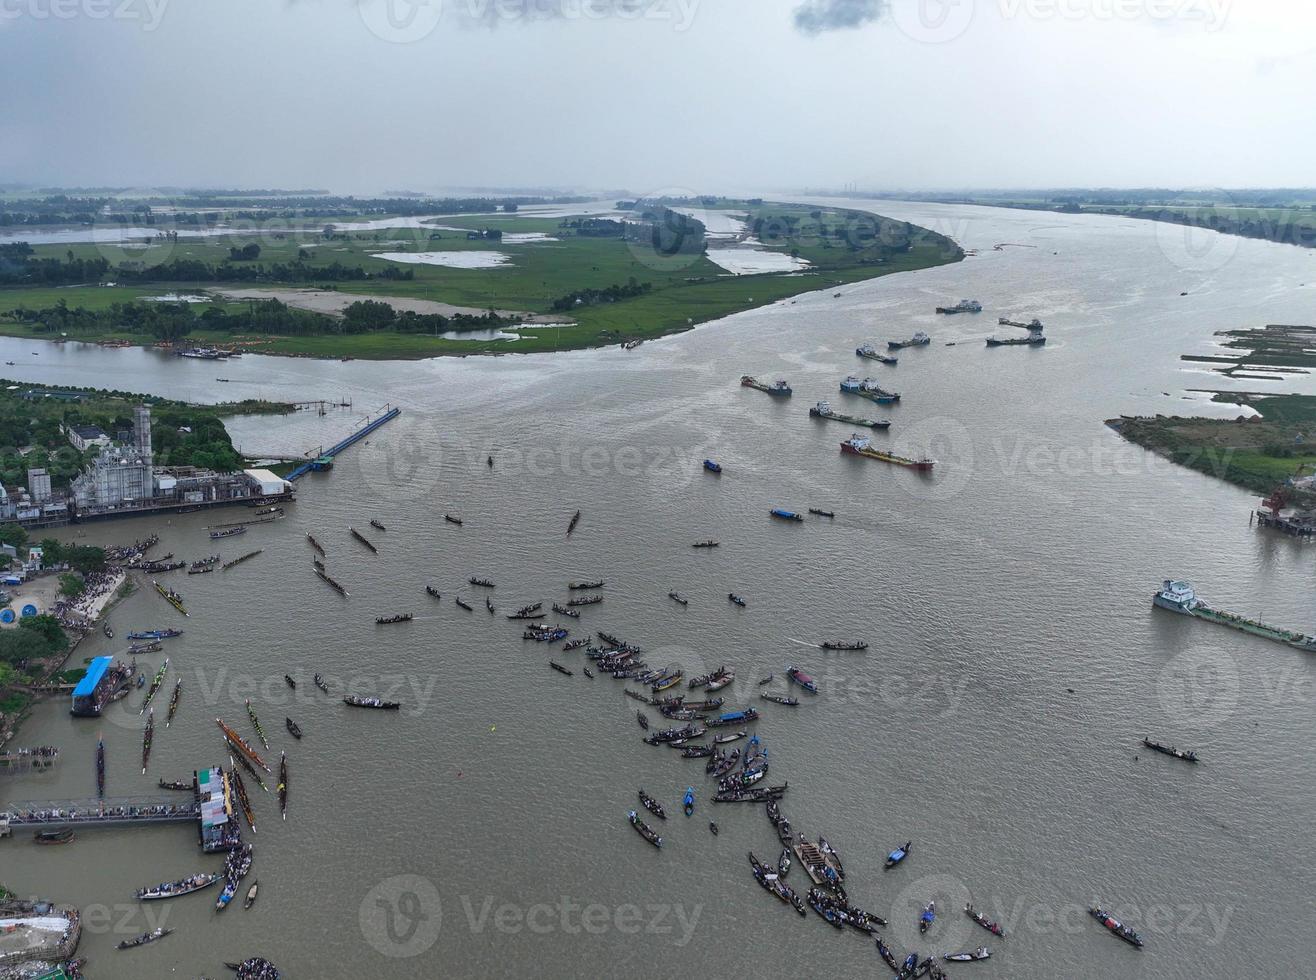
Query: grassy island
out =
(510, 282)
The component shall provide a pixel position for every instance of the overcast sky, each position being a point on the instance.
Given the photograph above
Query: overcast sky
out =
(730, 95)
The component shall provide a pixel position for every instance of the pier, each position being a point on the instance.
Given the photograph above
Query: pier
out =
(116, 812)
(28, 760)
(1297, 526)
(325, 459)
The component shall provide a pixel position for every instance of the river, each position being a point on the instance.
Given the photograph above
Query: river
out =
(1015, 658)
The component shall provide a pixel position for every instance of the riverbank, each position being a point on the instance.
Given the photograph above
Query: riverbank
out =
(1257, 452)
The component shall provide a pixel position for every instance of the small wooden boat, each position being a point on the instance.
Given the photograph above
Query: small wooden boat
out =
(644, 830)
(713, 827)
(359, 702)
(1183, 754)
(598, 584)
(704, 544)
(484, 582)
(898, 855)
(588, 673)
(677, 597)
(293, 728)
(983, 921)
(250, 900)
(364, 540)
(652, 805)
(287, 679)
(319, 682)
(821, 513)
(452, 520)
(283, 786)
(377, 526)
(489, 605)
(981, 953)
(688, 801)
(559, 668)
(176, 785)
(433, 591)
(464, 605)
(173, 702)
(389, 620)
(642, 718)
(575, 519)
(778, 699)
(315, 544)
(1115, 926)
(736, 599)
(144, 938)
(844, 645)
(176, 889)
(62, 836)
(730, 737)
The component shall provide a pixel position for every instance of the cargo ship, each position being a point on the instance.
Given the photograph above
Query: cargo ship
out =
(1032, 340)
(963, 306)
(823, 410)
(1179, 597)
(858, 445)
(778, 388)
(873, 354)
(919, 339)
(870, 389)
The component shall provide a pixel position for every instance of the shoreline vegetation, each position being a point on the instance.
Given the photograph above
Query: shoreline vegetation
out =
(34, 420)
(1257, 452)
(1286, 216)
(640, 272)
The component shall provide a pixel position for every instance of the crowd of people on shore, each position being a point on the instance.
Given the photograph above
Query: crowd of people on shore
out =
(81, 611)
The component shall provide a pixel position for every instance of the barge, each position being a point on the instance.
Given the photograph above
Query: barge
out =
(823, 410)
(1179, 597)
(779, 389)
(857, 445)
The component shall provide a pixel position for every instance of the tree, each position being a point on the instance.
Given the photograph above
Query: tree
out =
(13, 534)
(71, 585)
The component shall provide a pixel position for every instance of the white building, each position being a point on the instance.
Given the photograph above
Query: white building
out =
(38, 485)
(83, 437)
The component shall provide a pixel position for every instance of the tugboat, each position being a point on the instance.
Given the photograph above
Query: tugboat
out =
(963, 306)
(858, 445)
(779, 389)
(870, 389)
(919, 339)
(712, 467)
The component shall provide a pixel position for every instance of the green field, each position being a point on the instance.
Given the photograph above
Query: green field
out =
(685, 290)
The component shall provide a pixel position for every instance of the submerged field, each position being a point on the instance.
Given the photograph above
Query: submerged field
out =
(553, 261)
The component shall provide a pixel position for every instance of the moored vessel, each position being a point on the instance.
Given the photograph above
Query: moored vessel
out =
(778, 389)
(858, 445)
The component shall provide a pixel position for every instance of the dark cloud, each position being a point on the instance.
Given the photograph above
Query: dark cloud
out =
(491, 13)
(816, 16)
